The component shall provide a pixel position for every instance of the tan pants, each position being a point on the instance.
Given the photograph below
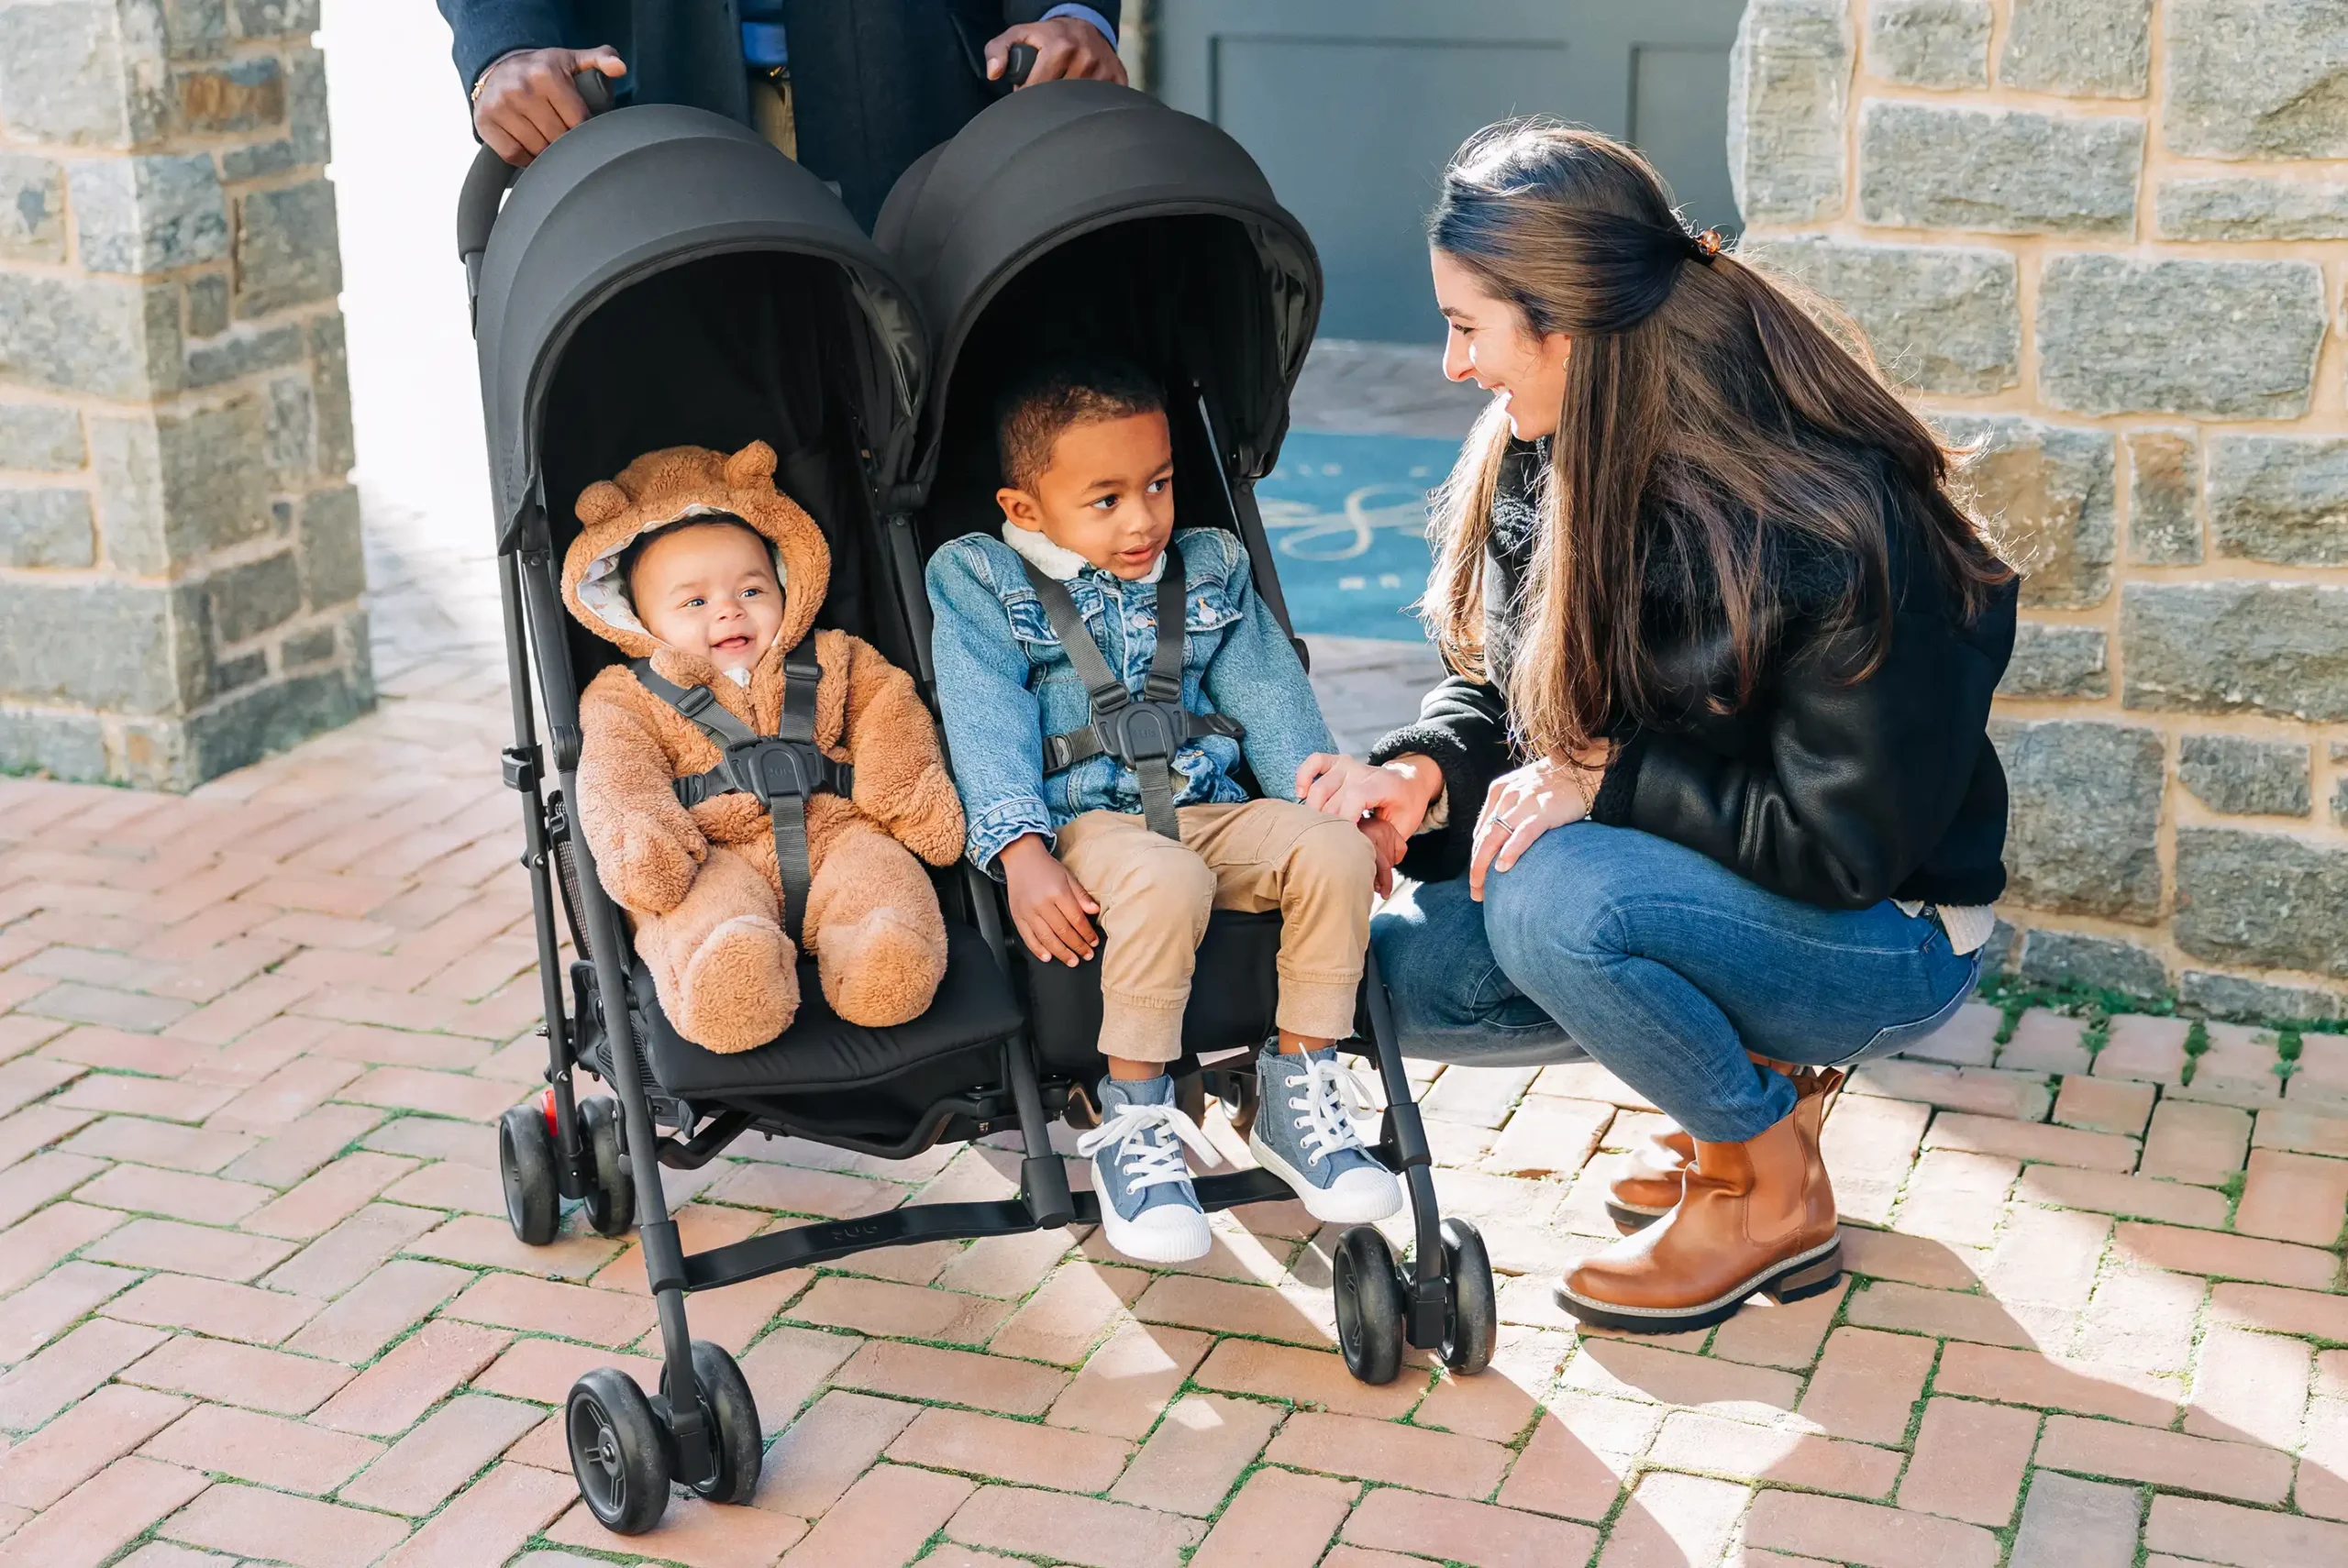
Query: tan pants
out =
(1154, 894)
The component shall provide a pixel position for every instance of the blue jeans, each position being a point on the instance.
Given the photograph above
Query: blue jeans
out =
(1666, 967)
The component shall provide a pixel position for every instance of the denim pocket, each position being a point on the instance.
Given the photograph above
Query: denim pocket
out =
(1896, 1037)
(1029, 622)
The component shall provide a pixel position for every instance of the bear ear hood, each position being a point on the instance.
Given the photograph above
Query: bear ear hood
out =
(670, 486)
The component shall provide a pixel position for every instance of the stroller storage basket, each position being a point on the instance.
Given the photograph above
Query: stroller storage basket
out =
(660, 276)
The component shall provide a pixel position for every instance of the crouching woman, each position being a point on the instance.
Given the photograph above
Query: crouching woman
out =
(1709, 797)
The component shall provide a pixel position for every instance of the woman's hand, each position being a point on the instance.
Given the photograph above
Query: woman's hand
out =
(1521, 806)
(1398, 794)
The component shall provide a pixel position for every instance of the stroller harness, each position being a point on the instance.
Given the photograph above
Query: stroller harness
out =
(1142, 733)
(783, 770)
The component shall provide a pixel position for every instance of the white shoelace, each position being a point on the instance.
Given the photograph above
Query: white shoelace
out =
(1144, 1161)
(1327, 1126)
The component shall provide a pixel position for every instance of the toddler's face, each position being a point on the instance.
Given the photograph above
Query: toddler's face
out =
(710, 589)
(1108, 494)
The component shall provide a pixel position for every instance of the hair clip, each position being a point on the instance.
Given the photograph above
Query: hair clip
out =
(1704, 246)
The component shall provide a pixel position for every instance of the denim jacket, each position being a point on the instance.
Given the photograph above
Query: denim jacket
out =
(1003, 684)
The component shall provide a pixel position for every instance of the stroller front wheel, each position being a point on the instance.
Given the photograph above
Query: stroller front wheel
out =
(611, 1202)
(1370, 1307)
(526, 1162)
(1471, 1314)
(731, 1413)
(619, 1455)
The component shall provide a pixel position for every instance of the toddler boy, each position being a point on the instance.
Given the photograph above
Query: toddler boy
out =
(1088, 538)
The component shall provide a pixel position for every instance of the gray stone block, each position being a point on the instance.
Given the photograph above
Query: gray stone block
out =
(32, 208)
(2164, 482)
(174, 488)
(288, 251)
(2280, 498)
(2340, 803)
(2086, 47)
(66, 746)
(108, 336)
(2262, 901)
(236, 96)
(95, 643)
(149, 215)
(2069, 958)
(249, 600)
(2001, 170)
(1930, 43)
(2057, 661)
(248, 349)
(305, 105)
(330, 385)
(1788, 88)
(2070, 1523)
(2255, 78)
(195, 28)
(2232, 996)
(2085, 816)
(259, 160)
(69, 74)
(269, 19)
(46, 529)
(1941, 318)
(2045, 494)
(253, 724)
(2248, 208)
(41, 437)
(293, 445)
(207, 305)
(334, 559)
(230, 674)
(2235, 647)
(2226, 340)
(2244, 776)
(309, 648)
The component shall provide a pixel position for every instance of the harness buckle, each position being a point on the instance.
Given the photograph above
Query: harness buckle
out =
(1143, 731)
(774, 769)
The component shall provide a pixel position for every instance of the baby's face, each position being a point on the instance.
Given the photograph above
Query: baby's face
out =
(710, 589)
(1108, 494)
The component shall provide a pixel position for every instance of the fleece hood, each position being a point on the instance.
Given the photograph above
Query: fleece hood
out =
(669, 486)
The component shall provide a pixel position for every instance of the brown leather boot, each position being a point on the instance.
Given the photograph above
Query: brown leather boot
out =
(1650, 1183)
(1756, 1216)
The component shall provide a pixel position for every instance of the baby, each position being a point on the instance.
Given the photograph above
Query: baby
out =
(709, 578)
(1088, 537)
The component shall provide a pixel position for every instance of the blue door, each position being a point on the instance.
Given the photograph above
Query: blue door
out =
(1353, 106)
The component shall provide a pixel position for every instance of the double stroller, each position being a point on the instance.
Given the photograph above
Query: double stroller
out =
(661, 277)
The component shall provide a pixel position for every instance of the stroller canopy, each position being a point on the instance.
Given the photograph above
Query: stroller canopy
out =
(597, 231)
(1050, 168)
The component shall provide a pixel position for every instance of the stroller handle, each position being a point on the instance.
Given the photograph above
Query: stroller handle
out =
(486, 181)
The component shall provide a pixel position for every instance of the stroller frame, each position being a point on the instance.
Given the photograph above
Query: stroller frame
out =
(1445, 1304)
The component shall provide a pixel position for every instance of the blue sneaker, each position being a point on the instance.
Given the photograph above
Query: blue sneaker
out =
(1149, 1212)
(1304, 1134)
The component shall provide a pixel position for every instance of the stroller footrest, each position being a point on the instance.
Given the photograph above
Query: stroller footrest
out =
(1228, 1190)
(807, 1244)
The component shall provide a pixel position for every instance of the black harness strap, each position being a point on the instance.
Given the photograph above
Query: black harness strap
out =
(1143, 733)
(783, 770)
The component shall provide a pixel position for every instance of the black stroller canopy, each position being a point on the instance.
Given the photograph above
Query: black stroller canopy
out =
(628, 196)
(1063, 160)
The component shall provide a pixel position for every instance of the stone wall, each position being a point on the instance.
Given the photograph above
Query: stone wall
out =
(179, 564)
(2104, 244)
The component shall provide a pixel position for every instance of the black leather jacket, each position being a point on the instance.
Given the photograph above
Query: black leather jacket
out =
(1839, 794)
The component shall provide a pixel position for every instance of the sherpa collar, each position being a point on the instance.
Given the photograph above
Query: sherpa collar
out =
(1055, 561)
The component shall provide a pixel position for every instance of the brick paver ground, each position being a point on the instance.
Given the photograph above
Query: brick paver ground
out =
(261, 1303)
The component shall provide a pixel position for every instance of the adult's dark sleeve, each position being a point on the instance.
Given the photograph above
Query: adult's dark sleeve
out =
(488, 29)
(1859, 782)
(1463, 725)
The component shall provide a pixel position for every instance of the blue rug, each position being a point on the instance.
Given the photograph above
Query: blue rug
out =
(1347, 520)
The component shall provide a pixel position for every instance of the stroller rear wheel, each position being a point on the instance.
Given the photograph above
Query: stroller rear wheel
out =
(731, 1414)
(611, 1202)
(619, 1455)
(1370, 1305)
(1471, 1312)
(526, 1161)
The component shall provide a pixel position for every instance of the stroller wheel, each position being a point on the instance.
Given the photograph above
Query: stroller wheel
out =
(1369, 1304)
(1241, 1096)
(619, 1454)
(611, 1202)
(526, 1161)
(1471, 1311)
(732, 1417)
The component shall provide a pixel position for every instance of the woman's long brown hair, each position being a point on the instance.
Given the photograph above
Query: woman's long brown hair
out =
(1712, 431)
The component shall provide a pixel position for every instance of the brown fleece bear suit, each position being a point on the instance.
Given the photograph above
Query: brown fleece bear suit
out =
(703, 885)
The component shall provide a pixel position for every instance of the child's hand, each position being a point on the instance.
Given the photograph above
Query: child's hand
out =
(1048, 905)
(1390, 847)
